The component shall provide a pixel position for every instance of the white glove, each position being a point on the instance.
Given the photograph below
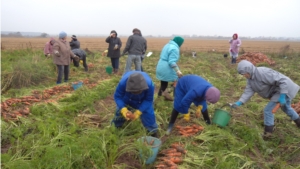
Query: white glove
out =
(48, 55)
(238, 45)
(56, 53)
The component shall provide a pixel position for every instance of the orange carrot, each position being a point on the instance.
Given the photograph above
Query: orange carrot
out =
(180, 149)
(276, 108)
(169, 163)
(176, 154)
(170, 150)
(151, 142)
(176, 159)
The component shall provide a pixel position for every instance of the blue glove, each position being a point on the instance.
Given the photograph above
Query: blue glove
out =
(170, 127)
(236, 104)
(281, 99)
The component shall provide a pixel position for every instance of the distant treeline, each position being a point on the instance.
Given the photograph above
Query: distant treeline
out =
(45, 35)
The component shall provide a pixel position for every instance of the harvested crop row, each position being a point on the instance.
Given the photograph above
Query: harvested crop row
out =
(13, 108)
(171, 157)
(191, 130)
(255, 57)
(296, 107)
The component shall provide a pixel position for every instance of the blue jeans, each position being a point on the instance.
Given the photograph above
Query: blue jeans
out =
(115, 63)
(269, 116)
(62, 69)
(136, 59)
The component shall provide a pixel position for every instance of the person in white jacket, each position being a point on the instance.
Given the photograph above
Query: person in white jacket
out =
(271, 85)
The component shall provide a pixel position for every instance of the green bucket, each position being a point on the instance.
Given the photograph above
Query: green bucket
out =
(221, 117)
(109, 69)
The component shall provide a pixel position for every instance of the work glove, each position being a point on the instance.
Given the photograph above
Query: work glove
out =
(124, 112)
(186, 117)
(198, 111)
(179, 74)
(170, 127)
(116, 47)
(137, 114)
(76, 58)
(281, 99)
(48, 55)
(236, 104)
(56, 53)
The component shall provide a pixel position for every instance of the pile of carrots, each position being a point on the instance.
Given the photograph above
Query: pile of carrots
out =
(189, 130)
(14, 107)
(296, 107)
(91, 65)
(255, 57)
(171, 157)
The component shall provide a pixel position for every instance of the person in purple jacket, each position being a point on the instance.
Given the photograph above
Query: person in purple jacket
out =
(48, 50)
(193, 89)
(235, 44)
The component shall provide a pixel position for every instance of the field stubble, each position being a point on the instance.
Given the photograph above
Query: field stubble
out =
(156, 44)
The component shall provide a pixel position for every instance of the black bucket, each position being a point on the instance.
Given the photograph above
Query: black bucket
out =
(225, 55)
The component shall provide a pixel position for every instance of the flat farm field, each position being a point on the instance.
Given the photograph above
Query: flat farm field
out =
(156, 44)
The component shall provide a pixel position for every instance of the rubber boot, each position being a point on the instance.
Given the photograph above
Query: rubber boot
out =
(297, 121)
(167, 95)
(206, 117)
(268, 132)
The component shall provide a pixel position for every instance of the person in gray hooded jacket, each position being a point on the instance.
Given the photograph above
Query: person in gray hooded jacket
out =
(272, 85)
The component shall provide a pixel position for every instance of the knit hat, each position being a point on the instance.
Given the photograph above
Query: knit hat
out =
(62, 34)
(179, 40)
(212, 95)
(136, 82)
(74, 37)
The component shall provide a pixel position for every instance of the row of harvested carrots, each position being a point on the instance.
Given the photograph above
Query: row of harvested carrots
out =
(171, 157)
(296, 107)
(191, 130)
(14, 107)
(255, 57)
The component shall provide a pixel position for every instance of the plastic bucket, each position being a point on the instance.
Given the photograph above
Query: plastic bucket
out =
(155, 147)
(221, 117)
(109, 69)
(76, 85)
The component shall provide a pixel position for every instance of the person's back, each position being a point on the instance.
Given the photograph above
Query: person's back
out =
(48, 50)
(74, 44)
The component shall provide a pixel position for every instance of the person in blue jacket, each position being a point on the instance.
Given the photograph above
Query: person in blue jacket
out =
(193, 89)
(135, 93)
(167, 70)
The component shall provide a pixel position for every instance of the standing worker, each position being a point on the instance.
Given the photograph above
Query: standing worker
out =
(235, 44)
(271, 85)
(114, 49)
(62, 57)
(135, 46)
(48, 50)
(193, 89)
(167, 69)
(135, 94)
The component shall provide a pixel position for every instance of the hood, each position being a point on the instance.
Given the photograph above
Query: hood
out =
(212, 95)
(237, 36)
(113, 31)
(52, 40)
(246, 67)
(136, 82)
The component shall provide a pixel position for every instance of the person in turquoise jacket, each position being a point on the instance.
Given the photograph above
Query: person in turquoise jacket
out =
(167, 70)
(135, 93)
(193, 89)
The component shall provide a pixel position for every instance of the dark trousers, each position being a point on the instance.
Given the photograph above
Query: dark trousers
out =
(76, 64)
(163, 87)
(115, 63)
(233, 60)
(62, 69)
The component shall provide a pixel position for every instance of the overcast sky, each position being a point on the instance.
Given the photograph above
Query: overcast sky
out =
(253, 18)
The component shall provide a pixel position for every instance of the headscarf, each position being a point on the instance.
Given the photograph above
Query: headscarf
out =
(212, 95)
(62, 35)
(179, 40)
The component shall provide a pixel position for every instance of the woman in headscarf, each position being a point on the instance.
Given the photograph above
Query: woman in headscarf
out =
(114, 47)
(235, 44)
(167, 70)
